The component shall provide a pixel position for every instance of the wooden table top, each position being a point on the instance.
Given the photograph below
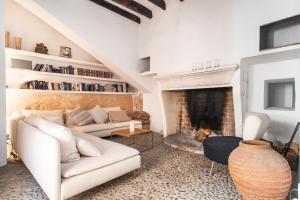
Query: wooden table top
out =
(127, 133)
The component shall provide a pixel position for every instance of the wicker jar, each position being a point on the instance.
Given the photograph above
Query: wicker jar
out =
(259, 172)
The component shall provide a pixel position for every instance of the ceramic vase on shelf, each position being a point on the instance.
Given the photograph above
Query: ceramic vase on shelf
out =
(7, 36)
(18, 43)
(259, 172)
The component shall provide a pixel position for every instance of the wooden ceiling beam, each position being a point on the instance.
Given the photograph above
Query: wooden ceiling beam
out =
(159, 3)
(136, 7)
(117, 10)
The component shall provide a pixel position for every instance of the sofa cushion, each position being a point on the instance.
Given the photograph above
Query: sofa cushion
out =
(126, 124)
(112, 152)
(56, 116)
(94, 127)
(79, 117)
(118, 116)
(99, 115)
(68, 149)
(84, 145)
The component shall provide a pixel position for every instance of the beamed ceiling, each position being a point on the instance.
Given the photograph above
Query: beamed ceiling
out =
(132, 9)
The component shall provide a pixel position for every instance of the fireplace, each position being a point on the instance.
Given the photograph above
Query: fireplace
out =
(210, 108)
(192, 100)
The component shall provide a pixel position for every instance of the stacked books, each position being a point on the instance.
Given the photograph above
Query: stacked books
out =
(64, 86)
(92, 73)
(72, 71)
(67, 70)
(43, 68)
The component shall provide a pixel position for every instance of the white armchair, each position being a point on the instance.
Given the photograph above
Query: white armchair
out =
(255, 125)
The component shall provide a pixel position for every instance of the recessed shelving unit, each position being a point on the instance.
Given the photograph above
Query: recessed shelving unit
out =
(280, 94)
(281, 33)
(19, 69)
(145, 67)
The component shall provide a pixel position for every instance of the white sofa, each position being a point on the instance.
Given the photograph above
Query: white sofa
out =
(104, 130)
(59, 116)
(41, 155)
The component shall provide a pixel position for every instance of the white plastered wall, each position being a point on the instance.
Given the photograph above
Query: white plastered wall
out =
(2, 90)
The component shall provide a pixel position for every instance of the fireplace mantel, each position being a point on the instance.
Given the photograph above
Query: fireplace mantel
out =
(206, 78)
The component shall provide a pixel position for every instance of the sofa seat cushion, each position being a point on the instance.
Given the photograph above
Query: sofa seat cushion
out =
(111, 152)
(126, 124)
(94, 127)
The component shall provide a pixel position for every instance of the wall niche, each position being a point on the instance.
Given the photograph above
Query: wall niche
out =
(280, 94)
(280, 33)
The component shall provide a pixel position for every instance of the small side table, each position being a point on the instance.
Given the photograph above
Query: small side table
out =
(137, 132)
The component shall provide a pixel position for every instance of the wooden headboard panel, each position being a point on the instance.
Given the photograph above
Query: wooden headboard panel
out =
(51, 101)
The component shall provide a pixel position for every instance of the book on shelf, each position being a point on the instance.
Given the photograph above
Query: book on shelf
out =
(72, 71)
(43, 68)
(65, 86)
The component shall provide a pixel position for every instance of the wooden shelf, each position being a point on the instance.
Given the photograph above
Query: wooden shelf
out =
(28, 91)
(38, 73)
(54, 58)
(148, 74)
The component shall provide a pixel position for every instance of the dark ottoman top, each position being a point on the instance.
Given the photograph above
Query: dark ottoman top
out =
(219, 148)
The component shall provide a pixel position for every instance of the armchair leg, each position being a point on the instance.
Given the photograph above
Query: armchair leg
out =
(211, 168)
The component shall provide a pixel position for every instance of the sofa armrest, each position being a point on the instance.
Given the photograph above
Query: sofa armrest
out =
(41, 155)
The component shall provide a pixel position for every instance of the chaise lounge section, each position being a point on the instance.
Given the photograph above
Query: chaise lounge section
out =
(40, 153)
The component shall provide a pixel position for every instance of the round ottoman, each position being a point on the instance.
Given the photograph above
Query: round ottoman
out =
(218, 148)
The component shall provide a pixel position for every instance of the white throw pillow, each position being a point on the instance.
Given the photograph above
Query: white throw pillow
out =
(56, 116)
(108, 109)
(84, 145)
(64, 136)
(99, 115)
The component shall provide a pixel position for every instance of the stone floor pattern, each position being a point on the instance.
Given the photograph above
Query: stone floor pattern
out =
(166, 173)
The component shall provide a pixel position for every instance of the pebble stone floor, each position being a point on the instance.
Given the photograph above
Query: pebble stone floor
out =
(166, 173)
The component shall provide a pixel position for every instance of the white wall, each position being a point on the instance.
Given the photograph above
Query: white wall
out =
(185, 34)
(107, 36)
(282, 122)
(191, 32)
(21, 23)
(2, 90)
(152, 106)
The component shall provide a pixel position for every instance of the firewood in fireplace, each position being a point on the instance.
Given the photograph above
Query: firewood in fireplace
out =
(202, 134)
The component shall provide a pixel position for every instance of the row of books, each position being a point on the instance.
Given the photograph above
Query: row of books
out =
(64, 86)
(72, 71)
